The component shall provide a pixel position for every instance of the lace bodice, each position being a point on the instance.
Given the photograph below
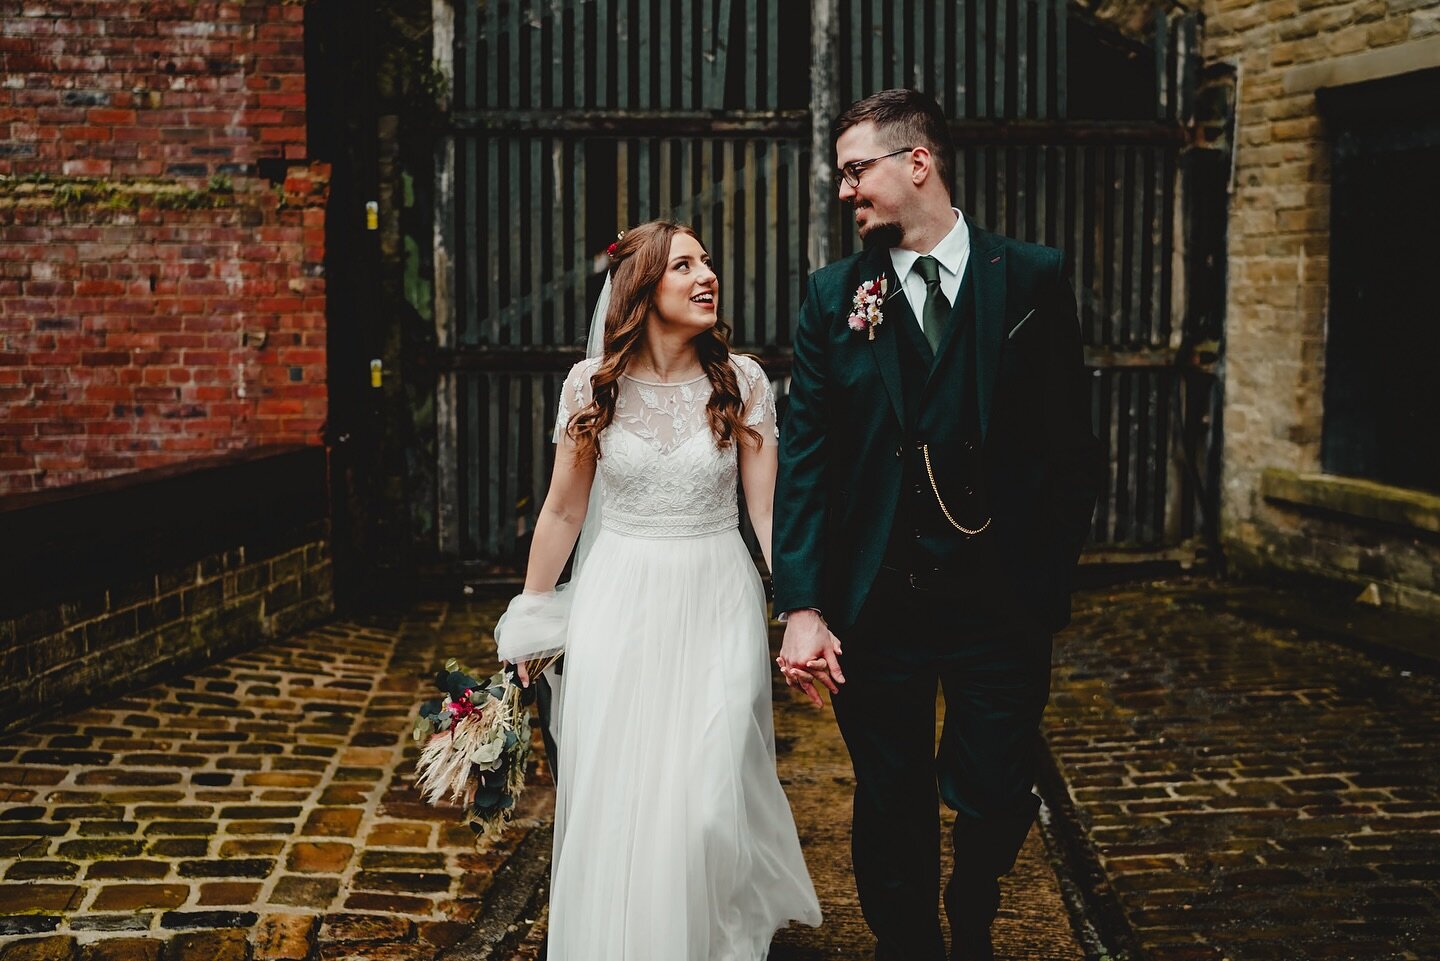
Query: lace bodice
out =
(661, 473)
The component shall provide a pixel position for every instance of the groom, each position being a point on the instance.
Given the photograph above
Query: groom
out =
(937, 476)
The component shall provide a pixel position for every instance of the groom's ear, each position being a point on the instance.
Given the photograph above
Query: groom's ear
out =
(922, 165)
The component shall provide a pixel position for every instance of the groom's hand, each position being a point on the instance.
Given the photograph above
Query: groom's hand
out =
(809, 653)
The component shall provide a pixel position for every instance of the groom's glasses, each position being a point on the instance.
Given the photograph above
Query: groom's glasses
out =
(850, 173)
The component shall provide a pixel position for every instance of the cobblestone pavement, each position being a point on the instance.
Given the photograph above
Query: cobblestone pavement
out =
(257, 809)
(260, 809)
(1250, 788)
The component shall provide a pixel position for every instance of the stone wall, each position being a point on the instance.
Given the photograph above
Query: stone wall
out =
(1284, 50)
(161, 237)
(123, 581)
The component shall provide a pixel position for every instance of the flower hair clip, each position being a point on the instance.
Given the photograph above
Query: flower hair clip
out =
(615, 245)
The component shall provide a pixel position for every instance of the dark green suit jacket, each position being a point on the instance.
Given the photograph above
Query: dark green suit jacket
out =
(844, 430)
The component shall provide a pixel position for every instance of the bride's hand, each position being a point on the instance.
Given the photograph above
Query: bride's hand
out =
(520, 672)
(810, 653)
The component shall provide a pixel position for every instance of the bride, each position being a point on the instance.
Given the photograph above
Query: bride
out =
(673, 838)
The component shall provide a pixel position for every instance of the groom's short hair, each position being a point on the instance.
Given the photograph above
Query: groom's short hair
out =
(904, 118)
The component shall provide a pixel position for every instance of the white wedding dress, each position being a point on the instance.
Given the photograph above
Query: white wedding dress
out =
(673, 838)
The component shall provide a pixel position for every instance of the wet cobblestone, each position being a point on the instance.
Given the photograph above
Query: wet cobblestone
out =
(1250, 789)
(259, 809)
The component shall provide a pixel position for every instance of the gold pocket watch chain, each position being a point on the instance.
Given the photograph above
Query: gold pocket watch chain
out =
(930, 472)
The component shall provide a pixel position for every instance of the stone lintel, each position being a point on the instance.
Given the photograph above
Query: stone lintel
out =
(1351, 496)
(1368, 65)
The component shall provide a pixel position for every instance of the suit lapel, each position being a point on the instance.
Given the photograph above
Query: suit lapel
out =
(987, 272)
(896, 311)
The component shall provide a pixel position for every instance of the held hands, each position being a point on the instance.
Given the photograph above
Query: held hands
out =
(810, 653)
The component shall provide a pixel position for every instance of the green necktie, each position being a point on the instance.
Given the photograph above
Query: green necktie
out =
(937, 309)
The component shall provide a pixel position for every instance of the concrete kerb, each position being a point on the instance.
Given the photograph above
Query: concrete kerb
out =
(1095, 914)
(513, 902)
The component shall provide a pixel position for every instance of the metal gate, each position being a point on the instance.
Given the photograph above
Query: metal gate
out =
(575, 118)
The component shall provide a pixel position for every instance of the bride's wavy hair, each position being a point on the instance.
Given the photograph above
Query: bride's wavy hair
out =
(637, 264)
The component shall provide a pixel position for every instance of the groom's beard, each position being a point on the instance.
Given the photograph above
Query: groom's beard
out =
(884, 235)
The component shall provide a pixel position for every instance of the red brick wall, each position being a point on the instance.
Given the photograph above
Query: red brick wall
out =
(158, 301)
(127, 89)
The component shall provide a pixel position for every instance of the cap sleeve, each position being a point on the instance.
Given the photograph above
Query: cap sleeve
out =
(575, 396)
(758, 398)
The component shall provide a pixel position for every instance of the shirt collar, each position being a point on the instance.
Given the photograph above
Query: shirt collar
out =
(950, 251)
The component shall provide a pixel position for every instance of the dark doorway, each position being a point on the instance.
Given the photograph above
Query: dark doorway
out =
(1382, 391)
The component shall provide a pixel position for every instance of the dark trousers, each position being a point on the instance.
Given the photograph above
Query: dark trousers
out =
(544, 697)
(993, 663)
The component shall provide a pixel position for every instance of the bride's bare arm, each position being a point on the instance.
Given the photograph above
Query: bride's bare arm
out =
(757, 478)
(561, 517)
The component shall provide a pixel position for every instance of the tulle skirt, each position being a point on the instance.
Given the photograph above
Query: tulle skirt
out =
(673, 838)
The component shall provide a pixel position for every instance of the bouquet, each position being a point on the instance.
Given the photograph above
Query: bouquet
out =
(478, 744)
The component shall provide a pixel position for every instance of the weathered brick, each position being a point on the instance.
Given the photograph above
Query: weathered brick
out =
(92, 848)
(208, 946)
(110, 922)
(259, 812)
(135, 897)
(415, 860)
(388, 903)
(333, 822)
(181, 920)
(285, 937)
(180, 829)
(251, 847)
(281, 779)
(123, 949)
(343, 794)
(106, 828)
(132, 778)
(300, 891)
(18, 898)
(179, 847)
(443, 934)
(22, 924)
(405, 882)
(319, 857)
(41, 870)
(226, 868)
(350, 928)
(400, 834)
(55, 948)
(228, 892)
(127, 869)
(261, 827)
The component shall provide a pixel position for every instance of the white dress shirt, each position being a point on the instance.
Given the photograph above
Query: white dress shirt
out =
(952, 252)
